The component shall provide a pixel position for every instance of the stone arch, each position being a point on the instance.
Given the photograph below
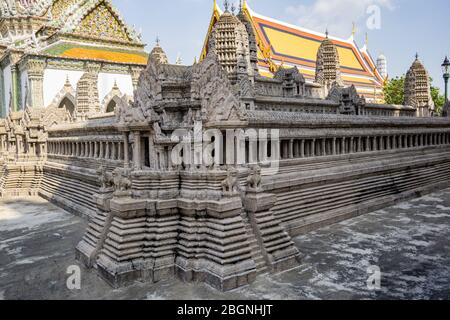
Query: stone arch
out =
(111, 104)
(68, 102)
(113, 99)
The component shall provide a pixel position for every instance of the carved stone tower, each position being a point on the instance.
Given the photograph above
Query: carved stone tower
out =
(328, 66)
(158, 54)
(418, 89)
(230, 42)
(87, 93)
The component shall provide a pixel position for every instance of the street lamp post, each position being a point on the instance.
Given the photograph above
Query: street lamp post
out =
(445, 70)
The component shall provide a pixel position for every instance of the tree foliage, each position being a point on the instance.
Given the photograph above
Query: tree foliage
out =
(394, 90)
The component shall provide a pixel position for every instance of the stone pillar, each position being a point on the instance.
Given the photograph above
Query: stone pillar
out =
(359, 144)
(334, 147)
(351, 150)
(126, 148)
(137, 151)
(95, 149)
(113, 151)
(291, 149)
(107, 151)
(35, 68)
(313, 148)
(343, 146)
(102, 150)
(324, 147)
(367, 144)
(135, 73)
(302, 148)
(15, 88)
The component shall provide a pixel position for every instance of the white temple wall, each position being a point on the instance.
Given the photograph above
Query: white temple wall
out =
(54, 81)
(106, 83)
(7, 87)
(23, 88)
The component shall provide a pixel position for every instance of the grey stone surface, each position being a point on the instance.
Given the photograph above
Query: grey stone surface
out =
(409, 242)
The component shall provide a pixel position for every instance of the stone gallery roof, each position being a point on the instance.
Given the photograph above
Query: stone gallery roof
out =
(289, 119)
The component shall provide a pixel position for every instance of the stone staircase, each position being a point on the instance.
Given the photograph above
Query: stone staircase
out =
(71, 190)
(21, 179)
(257, 255)
(305, 207)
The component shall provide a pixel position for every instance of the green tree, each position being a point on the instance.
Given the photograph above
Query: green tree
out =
(438, 98)
(394, 90)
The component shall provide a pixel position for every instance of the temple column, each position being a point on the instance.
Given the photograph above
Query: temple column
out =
(95, 149)
(135, 73)
(101, 154)
(137, 151)
(351, 148)
(126, 156)
(35, 70)
(334, 147)
(313, 148)
(367, 144)
(291, 149)
(302, 148)
(343, 145)
(107, 151)
(324, 147)
(359, 144)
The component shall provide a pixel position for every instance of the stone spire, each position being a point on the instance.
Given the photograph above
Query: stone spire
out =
(230, 41)
(418, 89)
(158, 53)
(328, 66)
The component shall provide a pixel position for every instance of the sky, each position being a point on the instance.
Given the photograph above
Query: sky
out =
(396, 28)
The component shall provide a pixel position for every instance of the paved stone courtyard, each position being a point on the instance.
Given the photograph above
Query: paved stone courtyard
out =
(408, 242)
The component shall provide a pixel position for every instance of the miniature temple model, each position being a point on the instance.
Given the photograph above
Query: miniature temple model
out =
(208, 170)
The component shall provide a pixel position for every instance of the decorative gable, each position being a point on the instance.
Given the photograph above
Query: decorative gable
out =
(101, 22)
(61, 7)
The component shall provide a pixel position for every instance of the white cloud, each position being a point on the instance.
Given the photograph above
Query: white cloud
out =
(336, 15)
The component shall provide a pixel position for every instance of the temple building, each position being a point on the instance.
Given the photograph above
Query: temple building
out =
(73, 54)
(282, 44)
